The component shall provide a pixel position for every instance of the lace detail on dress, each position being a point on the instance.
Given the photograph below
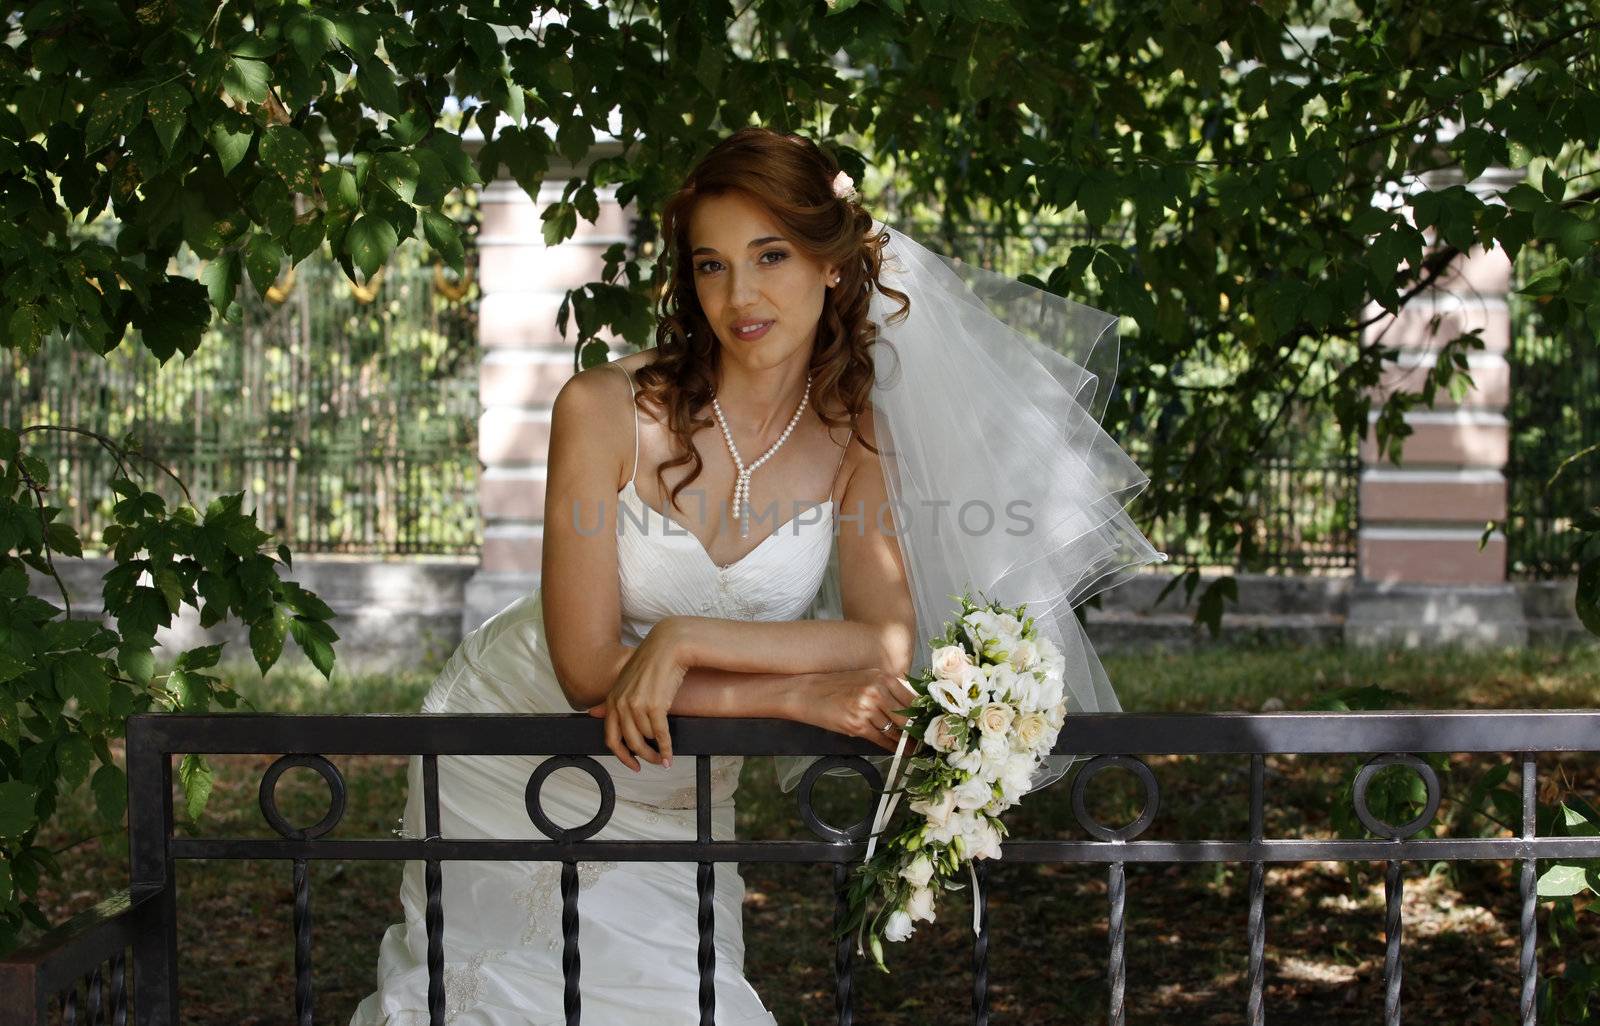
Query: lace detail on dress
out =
(542, 899)
(722, 777)
(463, 988)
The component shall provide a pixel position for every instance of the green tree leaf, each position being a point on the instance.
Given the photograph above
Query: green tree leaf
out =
(196, 778)
(291, 155)
(81, 675)
(369, 243)
(443, 236)
(264, 258)
(311, 35)
(168, 109)
(398, 173)
(230, 136)
(267, 635)
(246, 80)
(17, 815)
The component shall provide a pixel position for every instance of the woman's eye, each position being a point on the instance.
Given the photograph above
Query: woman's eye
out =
(708, 265)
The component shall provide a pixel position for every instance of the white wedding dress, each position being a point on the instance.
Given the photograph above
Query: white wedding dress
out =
(637, 932)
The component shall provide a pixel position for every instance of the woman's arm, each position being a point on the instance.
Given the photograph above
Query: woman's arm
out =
(856, 703)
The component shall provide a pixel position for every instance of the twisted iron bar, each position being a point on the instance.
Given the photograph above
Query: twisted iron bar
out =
(433, 917)
(1393, 891)
(302, 943)
(1529, 888)
(1257, 925)
(843, 949)
(571, 963)
(1119, 970)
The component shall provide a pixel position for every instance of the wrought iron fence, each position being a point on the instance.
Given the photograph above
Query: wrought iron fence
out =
(68, 968)
(347, 416)
(1554, 413)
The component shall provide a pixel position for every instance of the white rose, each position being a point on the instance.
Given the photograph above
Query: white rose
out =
(1057, 715)
(1024, 655)
(937, 811)
(974, 794)
(920, 905)
(918, 872)
(951, 695)
(993, 751)
(959, 824)
(995, 718)
(1017, 776)
(1004, 683)
(983, 623)
(1031, 729)
(967, 761)
(939, 735)
(949, 660)
(982, 840)
(899, 927)
(1009, 626)
(1050, 691)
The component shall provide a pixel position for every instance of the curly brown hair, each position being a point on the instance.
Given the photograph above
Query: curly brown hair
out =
(792, 178)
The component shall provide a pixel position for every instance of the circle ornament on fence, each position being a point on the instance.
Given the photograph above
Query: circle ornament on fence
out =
(1152, 797)
(1430, 783)
(854, 832)
(583, 831)
(269, 796)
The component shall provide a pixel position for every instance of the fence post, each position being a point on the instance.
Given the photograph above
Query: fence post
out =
(155, 948)
(1423, 577)
(525, 361)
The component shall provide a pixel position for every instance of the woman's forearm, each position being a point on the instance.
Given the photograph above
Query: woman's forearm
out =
(707, 691)
(793, 646)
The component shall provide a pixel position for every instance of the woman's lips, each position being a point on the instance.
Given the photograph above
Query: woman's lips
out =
(754, 334)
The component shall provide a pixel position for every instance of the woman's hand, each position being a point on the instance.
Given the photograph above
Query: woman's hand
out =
(857, 703)
(636, 708)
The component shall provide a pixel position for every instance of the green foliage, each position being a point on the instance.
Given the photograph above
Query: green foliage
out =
(1255, 151)
(68, 684)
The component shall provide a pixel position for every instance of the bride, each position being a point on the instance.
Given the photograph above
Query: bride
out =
(694, 492)
(685, 541)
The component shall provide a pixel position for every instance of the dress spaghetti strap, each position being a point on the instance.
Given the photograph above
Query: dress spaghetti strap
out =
(634, 407)
(844, 449)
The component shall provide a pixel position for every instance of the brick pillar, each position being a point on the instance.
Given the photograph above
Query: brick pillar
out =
(1422, 577)
(525, 362)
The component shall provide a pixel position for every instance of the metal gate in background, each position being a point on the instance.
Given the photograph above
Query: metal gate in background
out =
(347, 415)
(1554, 413)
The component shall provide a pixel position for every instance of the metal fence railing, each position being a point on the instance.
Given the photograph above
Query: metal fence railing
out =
(69, 969)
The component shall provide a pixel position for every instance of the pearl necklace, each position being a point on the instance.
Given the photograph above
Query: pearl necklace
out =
(741, 487)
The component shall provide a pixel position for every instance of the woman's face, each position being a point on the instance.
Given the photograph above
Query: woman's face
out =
(745, 270)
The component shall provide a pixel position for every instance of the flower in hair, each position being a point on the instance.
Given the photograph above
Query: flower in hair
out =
(843, 185)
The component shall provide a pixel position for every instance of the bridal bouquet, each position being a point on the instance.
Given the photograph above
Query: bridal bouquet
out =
(986, 711)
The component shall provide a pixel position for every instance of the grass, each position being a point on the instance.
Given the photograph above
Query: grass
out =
(1186, 934)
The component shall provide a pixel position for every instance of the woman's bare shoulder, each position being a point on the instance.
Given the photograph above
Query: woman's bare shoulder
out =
(633, 361)
(857, 456)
